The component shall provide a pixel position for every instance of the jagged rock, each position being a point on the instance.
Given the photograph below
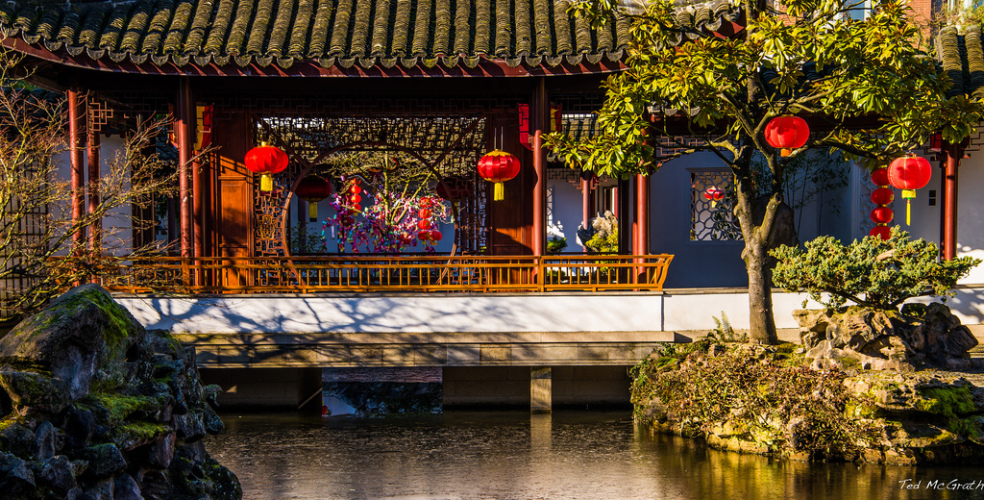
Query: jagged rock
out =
(97, 408)
(102, 460)
(58, 475)
(44, 441)
(126, 488)
(857, 337)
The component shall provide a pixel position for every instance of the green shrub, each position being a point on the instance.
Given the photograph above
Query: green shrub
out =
(871, 272)
(784, 408)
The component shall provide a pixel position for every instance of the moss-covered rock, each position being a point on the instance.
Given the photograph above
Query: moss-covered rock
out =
(767, 400)
(94, 404)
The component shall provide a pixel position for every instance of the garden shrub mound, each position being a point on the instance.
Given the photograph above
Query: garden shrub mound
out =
(885, 339)
(768, 400)
(95, 407)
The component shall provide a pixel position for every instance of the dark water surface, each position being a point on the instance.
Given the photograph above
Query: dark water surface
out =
(515, 455)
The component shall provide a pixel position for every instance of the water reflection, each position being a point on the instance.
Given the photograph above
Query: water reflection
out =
(515, 455)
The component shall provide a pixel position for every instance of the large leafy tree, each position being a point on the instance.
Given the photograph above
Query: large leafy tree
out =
(867, 87)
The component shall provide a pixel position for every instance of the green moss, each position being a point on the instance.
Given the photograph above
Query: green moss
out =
(142, 430)
(947, 401)
(25, 365)
(117, 407)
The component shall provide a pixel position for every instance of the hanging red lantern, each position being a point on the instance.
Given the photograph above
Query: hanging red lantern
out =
(313, 189)
(882, 215)
(787, 133)
(880, 177)
(266, 161)
(355, 199)
(424, 224)
(436, 235)
(882, 196)
(883, 232)
(909, 173)
(424, 213)
(498, 166)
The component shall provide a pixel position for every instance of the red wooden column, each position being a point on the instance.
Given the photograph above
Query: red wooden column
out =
(952, 161)
(540, 115)
(198, 204)
(184, 126)
(585, 204)
(640, 244)
(75, 140)
(92, 158)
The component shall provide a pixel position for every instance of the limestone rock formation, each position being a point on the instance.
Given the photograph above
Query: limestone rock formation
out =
(856, 337)
(94, 407)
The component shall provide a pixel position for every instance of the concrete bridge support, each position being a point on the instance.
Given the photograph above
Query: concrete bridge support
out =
(541, 390)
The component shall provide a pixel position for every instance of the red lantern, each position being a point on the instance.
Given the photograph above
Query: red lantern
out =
(882, 215)
(884, 232)
(880, 177)
(909, 173)
(313, 189)
(426, 203)
(498, 166)
(424, 224)
(266, 161)
(882, 196)
(787, 133)
(436, 235)
(355, 199)
(424, 213)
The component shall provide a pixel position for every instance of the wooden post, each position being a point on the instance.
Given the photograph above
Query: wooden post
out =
(953, 154)
(641, 246)
(585, 205)
(185, 132)
(93, 160)
(77, 161)
(540, 111)
(198, 207)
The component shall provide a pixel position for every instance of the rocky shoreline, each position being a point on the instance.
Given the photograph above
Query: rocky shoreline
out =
(96, 408)
(768, 400)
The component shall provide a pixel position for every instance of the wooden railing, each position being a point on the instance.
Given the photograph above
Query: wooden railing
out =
(373, 273)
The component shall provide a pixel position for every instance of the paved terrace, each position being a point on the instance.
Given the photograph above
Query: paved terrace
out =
(459, 329)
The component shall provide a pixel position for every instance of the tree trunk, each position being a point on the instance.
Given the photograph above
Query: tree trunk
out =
(771, 223)
(761, 317)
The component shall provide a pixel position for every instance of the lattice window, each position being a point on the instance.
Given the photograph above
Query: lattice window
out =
(30, 232)
(713, 219)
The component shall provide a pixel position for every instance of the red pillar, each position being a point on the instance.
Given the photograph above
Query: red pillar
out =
(77, 161)
(540, 122)
(184, 126)
(953, 154)
(92, 158)
(643, 189)
(585, 204)
(198, 207)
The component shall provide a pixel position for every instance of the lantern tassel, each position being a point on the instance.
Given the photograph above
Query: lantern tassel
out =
(313, 211)
(908, 194)
(785, 152)
(266, 183)
(499, 192)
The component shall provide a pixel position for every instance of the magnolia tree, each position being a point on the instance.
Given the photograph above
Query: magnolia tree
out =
(868, 89)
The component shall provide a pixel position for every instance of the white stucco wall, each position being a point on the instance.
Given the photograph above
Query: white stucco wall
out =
(117, 227)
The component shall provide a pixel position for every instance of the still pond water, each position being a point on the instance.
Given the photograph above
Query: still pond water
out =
(515, 455)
